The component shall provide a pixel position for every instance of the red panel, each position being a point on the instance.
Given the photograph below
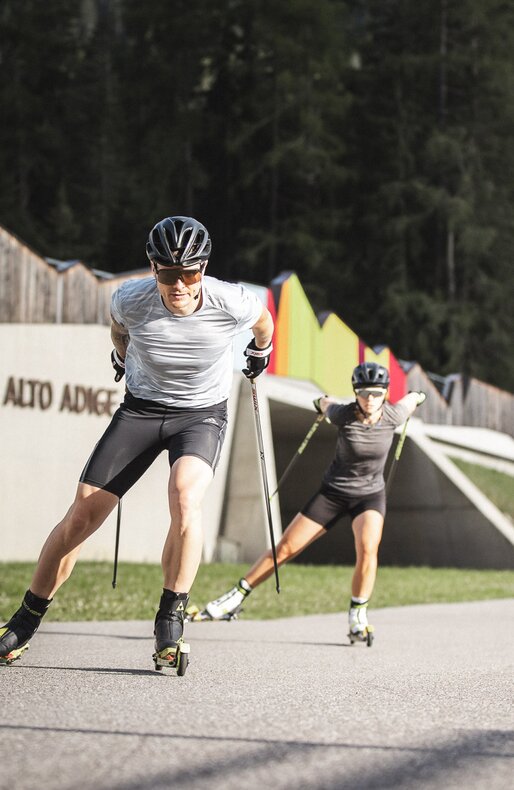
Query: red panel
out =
(362, 349)
(398, 386)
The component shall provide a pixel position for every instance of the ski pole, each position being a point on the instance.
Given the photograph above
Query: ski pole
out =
(397, 453)
(264, 478)
(310, 433)
(116, 545)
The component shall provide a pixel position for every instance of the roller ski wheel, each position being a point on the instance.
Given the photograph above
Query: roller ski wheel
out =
(173, 658)
(366, 635)
(196, 615)
(14, 655)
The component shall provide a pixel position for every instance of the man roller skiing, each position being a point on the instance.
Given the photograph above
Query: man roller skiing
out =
(172, 335)
(353, 484)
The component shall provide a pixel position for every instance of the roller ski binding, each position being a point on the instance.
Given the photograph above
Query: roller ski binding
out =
(176, 657)
(14, 655)
(227, 607)
(360, 630)
(170, 649)
(362, 636)
(15, 635)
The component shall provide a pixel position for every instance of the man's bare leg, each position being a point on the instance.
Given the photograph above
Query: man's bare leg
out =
(56, 561)
(189, 480)
(62, 547)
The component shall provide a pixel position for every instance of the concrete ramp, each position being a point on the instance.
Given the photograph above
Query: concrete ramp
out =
(436, 516)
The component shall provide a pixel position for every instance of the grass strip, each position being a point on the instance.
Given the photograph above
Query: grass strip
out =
(306, 589)
(497, 486)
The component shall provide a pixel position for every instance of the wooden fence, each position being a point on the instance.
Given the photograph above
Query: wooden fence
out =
(35, 291)
(467, 401)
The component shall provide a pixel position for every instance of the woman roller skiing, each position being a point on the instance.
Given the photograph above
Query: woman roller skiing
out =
(353, 484)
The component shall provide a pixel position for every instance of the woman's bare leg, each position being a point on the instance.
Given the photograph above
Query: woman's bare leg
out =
(367, 529)
(299, 534)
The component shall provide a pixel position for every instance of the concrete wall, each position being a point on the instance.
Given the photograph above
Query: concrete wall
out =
(245, 526)
(57, 394)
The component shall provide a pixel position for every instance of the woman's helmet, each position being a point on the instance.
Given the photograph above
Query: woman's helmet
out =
(369, 374)
(178, 241)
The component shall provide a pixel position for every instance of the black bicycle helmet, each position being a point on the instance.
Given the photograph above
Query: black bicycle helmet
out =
(369, 374)
(178, 241)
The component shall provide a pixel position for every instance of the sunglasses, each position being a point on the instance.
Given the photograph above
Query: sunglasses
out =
(170, 276)
(373, 393)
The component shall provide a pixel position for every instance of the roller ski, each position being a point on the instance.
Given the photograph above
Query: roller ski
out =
(227, 607)
(359, 628)
(15, 635)
(171, 651)
(196, 615)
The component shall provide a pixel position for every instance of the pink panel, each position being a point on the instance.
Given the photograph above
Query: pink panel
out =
(273, 310)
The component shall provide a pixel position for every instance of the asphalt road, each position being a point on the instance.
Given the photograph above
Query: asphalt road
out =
(281, 704)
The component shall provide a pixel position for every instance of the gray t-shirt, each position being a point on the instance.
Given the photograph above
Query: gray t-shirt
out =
(183, 361)
(361, 450)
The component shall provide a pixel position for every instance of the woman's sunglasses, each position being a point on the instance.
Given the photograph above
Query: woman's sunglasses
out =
(373, 393)
(170, 276)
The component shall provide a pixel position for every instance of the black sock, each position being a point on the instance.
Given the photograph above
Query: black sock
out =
(169, 599)
(35, 605)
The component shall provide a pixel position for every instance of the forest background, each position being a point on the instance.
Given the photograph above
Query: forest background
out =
(365, 145)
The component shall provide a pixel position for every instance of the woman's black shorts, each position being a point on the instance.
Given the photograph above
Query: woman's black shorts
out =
(141, 429)
(327, 506)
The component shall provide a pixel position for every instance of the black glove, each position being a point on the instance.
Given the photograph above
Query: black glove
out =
(257, 359)
(118, 364)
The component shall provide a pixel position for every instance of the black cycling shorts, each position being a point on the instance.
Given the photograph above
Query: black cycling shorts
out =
(141, 429)
(327, 506)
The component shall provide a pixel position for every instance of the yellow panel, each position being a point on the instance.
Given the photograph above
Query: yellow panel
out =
(304, 328)
(339, 356)
(380, 359)
(383, 358)
(324, 355)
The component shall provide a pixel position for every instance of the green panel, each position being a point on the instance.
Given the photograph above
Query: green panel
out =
(324, 355)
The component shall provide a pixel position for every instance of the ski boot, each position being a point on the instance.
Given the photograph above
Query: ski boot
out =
(360, 630)
(170, 649)
(227, 607)
(15, 635)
